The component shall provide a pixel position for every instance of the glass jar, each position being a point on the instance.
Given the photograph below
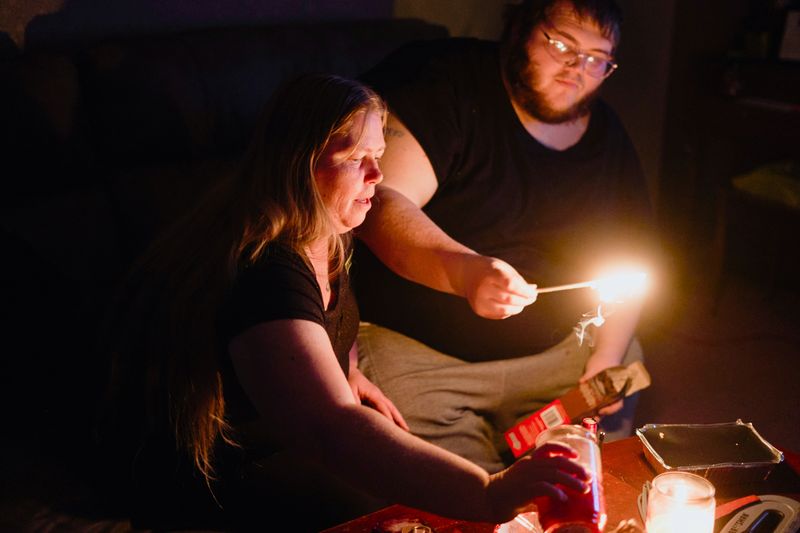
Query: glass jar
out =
(680, 502)
(582, 512)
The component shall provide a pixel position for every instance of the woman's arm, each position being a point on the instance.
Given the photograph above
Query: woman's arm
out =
(290, 373)
(367, 393)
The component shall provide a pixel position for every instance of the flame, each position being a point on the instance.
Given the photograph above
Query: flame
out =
(620, 286)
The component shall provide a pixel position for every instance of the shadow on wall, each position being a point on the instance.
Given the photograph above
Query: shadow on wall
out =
(7, 46)
(462, 18)
(86, 20)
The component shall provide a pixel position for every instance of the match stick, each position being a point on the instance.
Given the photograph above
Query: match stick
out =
(567, 287)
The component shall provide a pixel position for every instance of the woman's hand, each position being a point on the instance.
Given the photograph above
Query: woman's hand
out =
(365, 392)
(494, 288)
(540, 474)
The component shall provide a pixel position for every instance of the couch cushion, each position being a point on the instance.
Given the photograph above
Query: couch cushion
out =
(198, 93)
(45, 147)
(147, 199)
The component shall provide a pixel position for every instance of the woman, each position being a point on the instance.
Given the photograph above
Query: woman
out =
(233, 349)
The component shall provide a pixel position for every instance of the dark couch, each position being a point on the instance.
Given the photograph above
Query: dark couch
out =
(103, 143)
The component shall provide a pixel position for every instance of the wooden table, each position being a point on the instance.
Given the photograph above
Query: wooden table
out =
(625, 470)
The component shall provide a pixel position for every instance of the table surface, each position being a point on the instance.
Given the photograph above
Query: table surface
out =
(625, 470)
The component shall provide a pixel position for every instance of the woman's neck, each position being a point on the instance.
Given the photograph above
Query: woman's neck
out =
(317, 253)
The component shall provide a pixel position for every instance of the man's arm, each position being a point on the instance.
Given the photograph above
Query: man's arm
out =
(413, 246)
(611, 343)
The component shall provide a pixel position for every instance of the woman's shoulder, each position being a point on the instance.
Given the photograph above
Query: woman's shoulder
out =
(278, 269)
(275, 258)
(277, 285)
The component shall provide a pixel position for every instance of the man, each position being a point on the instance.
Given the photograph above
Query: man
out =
(502, 167)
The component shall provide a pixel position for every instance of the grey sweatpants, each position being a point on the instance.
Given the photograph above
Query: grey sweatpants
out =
(466, 407)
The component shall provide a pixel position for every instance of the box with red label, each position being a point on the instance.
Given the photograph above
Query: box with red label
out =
(586, 399)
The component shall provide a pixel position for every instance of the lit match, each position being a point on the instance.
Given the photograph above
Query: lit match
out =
(610, 288)
(557, 288)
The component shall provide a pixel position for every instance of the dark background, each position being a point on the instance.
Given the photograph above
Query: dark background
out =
(704, 94)
(686, 69)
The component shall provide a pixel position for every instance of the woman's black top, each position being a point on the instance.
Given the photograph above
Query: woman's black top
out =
(280, 285)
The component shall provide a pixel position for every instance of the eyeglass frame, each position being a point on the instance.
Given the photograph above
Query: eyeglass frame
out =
(582, 56)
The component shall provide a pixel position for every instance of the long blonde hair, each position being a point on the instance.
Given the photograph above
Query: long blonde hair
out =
(164, 332)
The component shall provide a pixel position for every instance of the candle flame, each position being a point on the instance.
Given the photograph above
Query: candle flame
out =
(680, 502)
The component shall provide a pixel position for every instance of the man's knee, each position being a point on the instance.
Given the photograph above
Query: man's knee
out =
(634, 353)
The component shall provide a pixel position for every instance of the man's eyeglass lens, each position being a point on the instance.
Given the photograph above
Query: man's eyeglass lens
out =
(594, 66)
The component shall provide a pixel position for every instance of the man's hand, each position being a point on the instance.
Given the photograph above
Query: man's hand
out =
(596, 363)
(365, 392)
(493, 288)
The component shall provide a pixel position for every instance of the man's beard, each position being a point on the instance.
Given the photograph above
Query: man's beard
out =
(522, 77)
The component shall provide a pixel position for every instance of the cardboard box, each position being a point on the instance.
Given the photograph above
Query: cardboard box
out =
(586, 399)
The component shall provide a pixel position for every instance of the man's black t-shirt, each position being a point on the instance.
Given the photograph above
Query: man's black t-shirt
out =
(555, 216)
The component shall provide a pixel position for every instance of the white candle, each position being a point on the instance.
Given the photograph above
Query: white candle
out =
(679, 502)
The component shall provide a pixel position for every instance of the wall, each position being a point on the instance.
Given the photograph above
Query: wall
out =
(706, 31)
(16, 14)
(638, 90)
(463, 18)
(41, 22)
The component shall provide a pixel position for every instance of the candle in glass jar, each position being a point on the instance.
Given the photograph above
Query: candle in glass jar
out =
(679, 502)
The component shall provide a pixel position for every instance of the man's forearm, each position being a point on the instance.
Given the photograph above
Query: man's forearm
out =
(614, 336)
(411, 244)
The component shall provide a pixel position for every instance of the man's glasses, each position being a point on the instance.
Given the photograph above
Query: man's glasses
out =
(594, 66)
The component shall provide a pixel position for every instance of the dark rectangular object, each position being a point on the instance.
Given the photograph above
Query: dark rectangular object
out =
(725, 454)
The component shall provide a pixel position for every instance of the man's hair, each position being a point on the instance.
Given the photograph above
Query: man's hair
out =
(522, 18)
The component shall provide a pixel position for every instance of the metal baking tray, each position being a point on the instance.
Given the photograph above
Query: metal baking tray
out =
(726, 453)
